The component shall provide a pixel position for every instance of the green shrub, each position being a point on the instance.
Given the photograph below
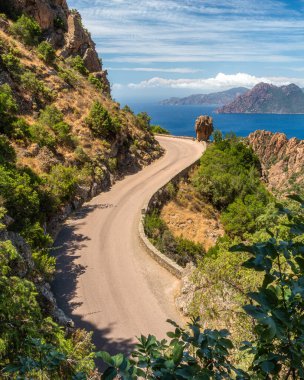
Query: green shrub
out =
(59, 23)
(101, 123)
(112, 164)
(21, 198)
(20, 129)
(217, 136)
(143, 120)
(7, 152)
(96, 82)
(159, 130)
(42, 136)
(46, 52)
(27, 29)
(61, 182)
(50, 116)
(8, 107)
(77, 64)
(68, 76)
(36, 87)
(11, 63)
(44, 264)
(154, 226)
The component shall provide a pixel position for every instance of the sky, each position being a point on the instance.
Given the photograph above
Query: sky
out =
(154, 49)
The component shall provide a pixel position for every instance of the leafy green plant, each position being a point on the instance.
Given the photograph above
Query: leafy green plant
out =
(27, 29)
(77, 64)
(68, 76)
(36, 87)
(42, 136)
(7, 152)
(8, 107)
(190, 354)
(277, 307)
(159, 130)
(12, 63)
(96, 82)
(101, 123)
(46, 52)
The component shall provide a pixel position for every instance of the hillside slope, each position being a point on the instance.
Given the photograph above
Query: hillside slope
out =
(62, 141)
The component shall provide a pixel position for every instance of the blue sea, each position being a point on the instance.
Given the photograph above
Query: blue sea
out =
(180, 120)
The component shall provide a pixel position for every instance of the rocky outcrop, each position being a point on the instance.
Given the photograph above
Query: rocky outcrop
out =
(63, 28)
(78, 42)
(282, 160)
(267, 98)
(203, 127)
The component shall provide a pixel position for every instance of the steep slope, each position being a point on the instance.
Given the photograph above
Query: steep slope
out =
(215, 98)
(62, 141)
(267, 98)
(282, 160)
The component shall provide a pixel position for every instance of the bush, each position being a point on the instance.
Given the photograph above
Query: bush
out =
(21, 198)
(20, 129)
(27, 29)
(96, 82)
(8, 108)
(101, 123)
(159, 130)
(42, 136)
(68, 76)
(36, 87)
(7, 152)
(50, 116)
(61, 183)
(12, 63)
(77, 64)
(46, 52)
(143, 120)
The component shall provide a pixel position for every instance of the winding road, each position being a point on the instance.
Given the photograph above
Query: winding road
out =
(105, 281)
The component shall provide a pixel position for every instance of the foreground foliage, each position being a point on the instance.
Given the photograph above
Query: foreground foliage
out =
(276, 350)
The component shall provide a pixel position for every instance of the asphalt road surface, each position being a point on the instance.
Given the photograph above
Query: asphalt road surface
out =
(105, 281)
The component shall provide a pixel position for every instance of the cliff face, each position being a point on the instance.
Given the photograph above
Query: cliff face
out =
(282, 160)
(267, 98)
(62, 27)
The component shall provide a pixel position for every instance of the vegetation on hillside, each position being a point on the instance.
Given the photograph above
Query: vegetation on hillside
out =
(60, 133)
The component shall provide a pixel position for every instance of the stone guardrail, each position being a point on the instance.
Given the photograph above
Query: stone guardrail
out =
(157, 200)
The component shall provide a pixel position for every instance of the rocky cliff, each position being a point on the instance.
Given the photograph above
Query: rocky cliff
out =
(282, 160)
(267, 98)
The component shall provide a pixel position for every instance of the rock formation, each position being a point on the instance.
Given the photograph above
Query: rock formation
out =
(203, 127)
(282, 160)
(64, 30)
(267, 98)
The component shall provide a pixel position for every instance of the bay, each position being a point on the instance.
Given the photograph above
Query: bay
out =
(180, 120)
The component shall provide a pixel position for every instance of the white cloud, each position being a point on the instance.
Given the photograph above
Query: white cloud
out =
(220, 81)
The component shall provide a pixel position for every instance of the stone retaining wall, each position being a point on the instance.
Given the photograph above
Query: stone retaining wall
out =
(157, 201)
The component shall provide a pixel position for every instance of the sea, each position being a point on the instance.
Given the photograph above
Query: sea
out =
(180, 120)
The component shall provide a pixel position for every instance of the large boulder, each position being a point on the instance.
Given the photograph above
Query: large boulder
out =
(203, 127)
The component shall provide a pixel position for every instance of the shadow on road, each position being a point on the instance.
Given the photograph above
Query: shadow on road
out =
(67, 276)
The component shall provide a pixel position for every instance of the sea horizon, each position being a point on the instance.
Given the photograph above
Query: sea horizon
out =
(180, 119)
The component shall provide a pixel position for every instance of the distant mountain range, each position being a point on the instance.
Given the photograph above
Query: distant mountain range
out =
(267, 98)
(216, 98)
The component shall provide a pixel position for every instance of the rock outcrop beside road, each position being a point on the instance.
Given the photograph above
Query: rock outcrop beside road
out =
(282, 160)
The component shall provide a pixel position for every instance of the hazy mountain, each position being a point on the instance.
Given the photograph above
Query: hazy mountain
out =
(215, 98)
(267, 98)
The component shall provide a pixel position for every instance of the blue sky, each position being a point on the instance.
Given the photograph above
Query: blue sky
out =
(160, 48)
